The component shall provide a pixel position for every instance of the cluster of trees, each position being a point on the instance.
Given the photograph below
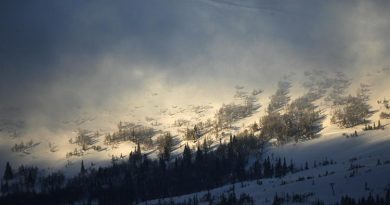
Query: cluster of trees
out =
(181, 122)
(298, 121)
(23, 147)
(385, 115)
(26, 179)
(294, 198)
(273, 124)
(76, 152)
(53, 183)
(142, 178)
(302, 119)
(192, 133)
(374, 126)
(370, 200)
(351, 110)
(199, 129)
(347, 110)
(165, 145)
(84, 139)
(232, 199)
(131, 132)
(230, 113)
(224, 199)
(268, 169)
(345, 200)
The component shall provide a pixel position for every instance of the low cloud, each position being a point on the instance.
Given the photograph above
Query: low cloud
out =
(59, 60)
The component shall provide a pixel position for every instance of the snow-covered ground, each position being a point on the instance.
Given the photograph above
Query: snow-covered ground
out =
(160, 117)
(364, 150)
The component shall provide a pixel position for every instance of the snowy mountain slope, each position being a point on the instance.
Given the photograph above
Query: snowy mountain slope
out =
(159, 115)
(366, 151)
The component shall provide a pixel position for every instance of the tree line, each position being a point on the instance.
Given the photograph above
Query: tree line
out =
(141, 178)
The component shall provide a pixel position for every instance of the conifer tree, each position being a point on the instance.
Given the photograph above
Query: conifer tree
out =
(187, 155)
(205, 147)
(291, 167)
(285, 169)
(199, 155)
(8, 175)
(82, 169)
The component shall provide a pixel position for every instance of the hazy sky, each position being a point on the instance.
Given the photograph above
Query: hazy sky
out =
(57, 57)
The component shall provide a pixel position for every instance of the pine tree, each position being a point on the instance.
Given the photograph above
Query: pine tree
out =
(278, 168)
(205, 147)
(82, 169)
(291, 167)
(187, 155)
(162, 164)
(30, 179)
(277, 200)
(285, 169)
(138, 148)
(257, 169)
(268, 170)
(199, 155)
(4, 187)
(165, 145)
(8, 175)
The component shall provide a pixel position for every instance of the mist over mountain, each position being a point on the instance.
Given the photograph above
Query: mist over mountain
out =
(60, 59)
(94, 81)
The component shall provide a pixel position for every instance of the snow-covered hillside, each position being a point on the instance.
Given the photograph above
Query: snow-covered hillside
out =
(337, 162)
(354, 166)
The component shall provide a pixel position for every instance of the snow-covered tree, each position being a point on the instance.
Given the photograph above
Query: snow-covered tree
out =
(302, 119)
(273, 126)
(353, 112)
